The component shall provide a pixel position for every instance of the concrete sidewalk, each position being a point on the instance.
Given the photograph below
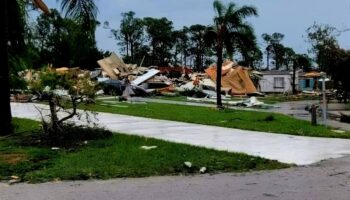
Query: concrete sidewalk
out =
(284, 148)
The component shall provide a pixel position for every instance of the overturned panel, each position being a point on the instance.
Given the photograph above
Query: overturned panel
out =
(139, 80)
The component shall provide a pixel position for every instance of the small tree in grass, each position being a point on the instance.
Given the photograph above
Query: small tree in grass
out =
(64, 92)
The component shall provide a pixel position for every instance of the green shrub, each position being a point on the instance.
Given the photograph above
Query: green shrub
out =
(69, 135)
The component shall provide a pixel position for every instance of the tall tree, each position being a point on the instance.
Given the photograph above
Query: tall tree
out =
(181, 45)
(229, 25)
(249, 50)
(274, 49)
(159, 35)
(329, 57)
(288, 57)
(130, 34)
(198, 48)
(61, 42)
(323, 40)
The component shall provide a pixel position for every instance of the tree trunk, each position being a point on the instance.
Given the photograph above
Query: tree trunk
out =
(268, 60)
(5, 107)
(132, 52)
(127, 45)
(293, 79)
(218, 75)
(53, 113)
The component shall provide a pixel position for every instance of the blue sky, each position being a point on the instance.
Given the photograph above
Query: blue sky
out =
(290, 17)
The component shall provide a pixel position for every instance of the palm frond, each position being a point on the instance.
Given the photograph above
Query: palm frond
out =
(210, 36)
(219, 8)
(231, 8)
(229, 46)
(85, 10)
(246, 11)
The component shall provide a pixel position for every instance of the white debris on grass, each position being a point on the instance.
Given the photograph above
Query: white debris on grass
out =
(202, 170)
(338, 131)
(188, 164)
(148, 147)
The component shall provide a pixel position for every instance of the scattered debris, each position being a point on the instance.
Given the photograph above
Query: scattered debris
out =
(55, 148)
(338, 131)
(21, 98)
(202, 170)
(14, 177)
(252, 102)
(148, 147)
(14, 181)
(188, 164)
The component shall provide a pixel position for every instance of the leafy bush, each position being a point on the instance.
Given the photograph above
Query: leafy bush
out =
(68, 135)
(64, 92)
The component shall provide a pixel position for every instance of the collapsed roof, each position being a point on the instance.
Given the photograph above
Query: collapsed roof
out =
(236, 78)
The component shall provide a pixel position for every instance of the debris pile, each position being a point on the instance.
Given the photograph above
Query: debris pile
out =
(128, 80)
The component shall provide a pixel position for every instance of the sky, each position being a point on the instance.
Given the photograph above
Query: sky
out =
(289, 17)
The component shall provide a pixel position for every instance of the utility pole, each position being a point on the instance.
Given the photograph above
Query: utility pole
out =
(324, 98)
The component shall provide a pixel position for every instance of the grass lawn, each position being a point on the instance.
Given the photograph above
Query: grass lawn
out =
(118, 156)
(171, 98)
(247, 120)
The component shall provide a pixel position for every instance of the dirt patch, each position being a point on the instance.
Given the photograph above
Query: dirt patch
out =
(12, 158)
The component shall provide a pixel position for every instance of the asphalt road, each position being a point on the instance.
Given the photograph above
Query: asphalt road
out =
(327, 180)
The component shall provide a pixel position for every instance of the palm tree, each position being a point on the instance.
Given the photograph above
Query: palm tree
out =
(229, 25)
(85, 11)
(12, 21)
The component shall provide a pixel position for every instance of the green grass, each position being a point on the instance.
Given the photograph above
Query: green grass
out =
(171, 98)
(247, 120)
(119, 156)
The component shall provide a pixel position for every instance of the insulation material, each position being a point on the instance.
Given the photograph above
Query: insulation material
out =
(236, 78)
(208, 84)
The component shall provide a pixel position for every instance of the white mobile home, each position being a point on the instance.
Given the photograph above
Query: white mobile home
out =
(276, 81)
